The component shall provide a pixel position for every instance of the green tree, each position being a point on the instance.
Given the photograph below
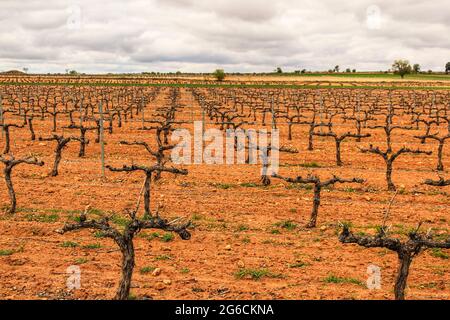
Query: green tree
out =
(401, 67)
(416, 68)
(279, 70)
(219, 74)
(447, 68)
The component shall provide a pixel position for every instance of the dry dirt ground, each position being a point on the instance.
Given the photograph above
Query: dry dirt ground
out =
(239, 225)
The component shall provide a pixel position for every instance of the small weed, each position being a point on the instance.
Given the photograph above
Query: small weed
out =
(298, 264)
(167, 237)
(120, 221)
(335, 279)
(132, 297)
(163, 257)
(44, 218)
(249, 185)
(246, 240)
(92, 246)
(310, 165)
(438, 253)
(242, 227)
(146, 270)
(6, 252)
(288, 224)
(81, 261)
(255, 274)
(223, 186)
(69, 244)
(99, 234)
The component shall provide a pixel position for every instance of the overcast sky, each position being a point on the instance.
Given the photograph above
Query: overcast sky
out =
(237, 35)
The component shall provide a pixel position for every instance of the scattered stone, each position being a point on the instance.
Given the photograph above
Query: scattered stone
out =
(156, 272)
(160, 286)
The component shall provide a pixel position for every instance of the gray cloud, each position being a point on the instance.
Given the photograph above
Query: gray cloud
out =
(200, 35)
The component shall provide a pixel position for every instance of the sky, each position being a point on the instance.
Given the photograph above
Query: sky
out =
(121, 36)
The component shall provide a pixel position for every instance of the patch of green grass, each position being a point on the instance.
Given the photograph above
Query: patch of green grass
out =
(217, 226)
(441, 237)
(69, 244)
(44, 218)
(299, 186)
(150, 236)
(196, 217)
(430, 285)
(167, 237)
(335, 279)
(242, 227)
(288, 225)
(99, 234)
(23, 210)
(310, 165)
(96, 212)
(255, 274)
(298, 264)
(185, 270)
(75, 219)
(223, 186)
(249, 185)
(246, 240)
(119, 220)
(438, 253)
(163, 257)
(146, 270)
(275, 242)
(92, 246)
(81, 261)
(6, 252)
(347, 224)
(275, 231)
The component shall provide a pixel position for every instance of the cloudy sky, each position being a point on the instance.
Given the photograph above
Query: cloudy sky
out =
(237, 35)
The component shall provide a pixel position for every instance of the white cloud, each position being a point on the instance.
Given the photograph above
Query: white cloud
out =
(200, 35)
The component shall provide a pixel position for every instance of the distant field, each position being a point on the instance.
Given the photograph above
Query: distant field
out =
(322, 85)
(375, 76)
